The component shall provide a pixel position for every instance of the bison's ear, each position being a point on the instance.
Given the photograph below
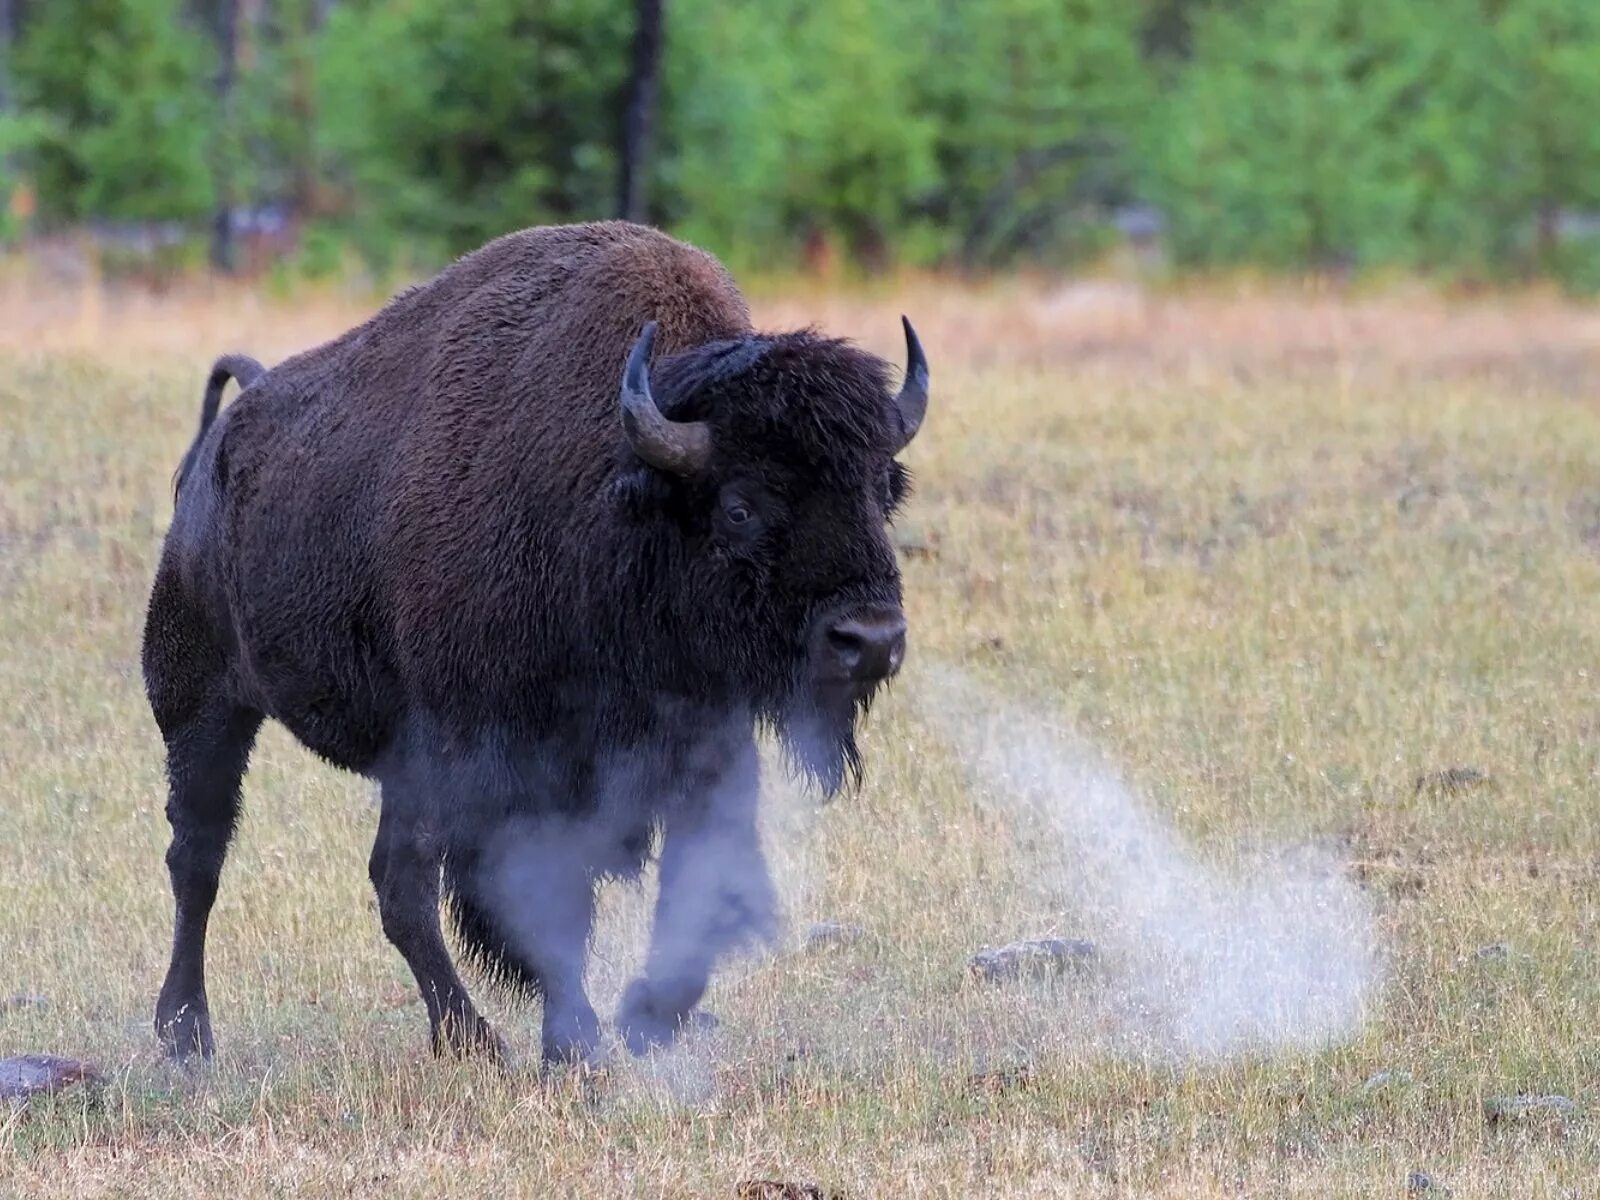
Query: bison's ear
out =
(679, 447)
(911, 405)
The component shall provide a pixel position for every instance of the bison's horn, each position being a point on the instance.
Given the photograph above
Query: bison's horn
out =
(680, 447)
(912, 402)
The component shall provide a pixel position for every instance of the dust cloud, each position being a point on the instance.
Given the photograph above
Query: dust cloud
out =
(1280, 954)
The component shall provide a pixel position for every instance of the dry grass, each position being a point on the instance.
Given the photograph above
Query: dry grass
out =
(1278, 553)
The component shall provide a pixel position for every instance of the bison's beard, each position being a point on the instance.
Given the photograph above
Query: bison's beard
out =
(818, 731)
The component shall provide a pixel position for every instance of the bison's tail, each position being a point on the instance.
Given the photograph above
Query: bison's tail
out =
(230, 366)
(485, 944)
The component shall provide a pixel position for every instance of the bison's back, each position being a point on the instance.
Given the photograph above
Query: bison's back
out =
(388, 497)
(524, 338)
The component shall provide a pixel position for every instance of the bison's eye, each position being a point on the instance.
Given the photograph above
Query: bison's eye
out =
(738, 517)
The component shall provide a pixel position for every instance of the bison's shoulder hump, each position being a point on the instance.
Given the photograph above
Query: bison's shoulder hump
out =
(632, 272)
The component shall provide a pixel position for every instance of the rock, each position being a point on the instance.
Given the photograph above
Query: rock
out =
(1399, 881)
(1452, 781)
(773, 1189)
(23, 1000)
(399, 995)
(29, 1075)
(1386, 1079)
(1033, 957)
(998, 1081)
(1419, 1182)
(825, 935)
(1498, 1109)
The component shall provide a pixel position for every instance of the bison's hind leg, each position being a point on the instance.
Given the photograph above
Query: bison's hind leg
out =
(208, 735)
(206, 758)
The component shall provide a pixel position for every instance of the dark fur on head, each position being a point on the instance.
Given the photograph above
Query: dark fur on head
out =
(803, 437)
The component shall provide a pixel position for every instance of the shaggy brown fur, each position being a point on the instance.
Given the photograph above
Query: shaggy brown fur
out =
(427, 548)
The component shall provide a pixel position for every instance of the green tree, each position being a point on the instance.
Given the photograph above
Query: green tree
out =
(121, 85)
(1037, 105)
(1264, 148)
(450, 123)
(723, 166)
(1442, 135)
(1309, 132)
(792, 119)
(276, 115)
(1551, 51)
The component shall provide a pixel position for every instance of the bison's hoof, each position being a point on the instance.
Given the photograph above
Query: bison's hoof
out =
(185, 1030)
(472, 1037)
(644, 1023)
(571, 1039)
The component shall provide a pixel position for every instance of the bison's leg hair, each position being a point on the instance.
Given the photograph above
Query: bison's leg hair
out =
(540, 904)
(570, 1030)
(206, 758)
(715, 895)
(405, 872)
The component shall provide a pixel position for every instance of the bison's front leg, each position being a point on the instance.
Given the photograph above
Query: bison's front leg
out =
(715, 895)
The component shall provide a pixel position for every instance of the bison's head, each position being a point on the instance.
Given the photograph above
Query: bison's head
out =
(771, 460)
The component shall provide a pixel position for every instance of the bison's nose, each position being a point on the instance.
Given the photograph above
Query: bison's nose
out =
(867, 647)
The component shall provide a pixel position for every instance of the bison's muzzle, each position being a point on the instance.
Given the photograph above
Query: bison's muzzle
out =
(860, 648)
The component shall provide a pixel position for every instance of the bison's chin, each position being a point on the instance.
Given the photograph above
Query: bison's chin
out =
(818, 733)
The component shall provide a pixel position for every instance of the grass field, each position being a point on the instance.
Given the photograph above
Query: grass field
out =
(1285, 557)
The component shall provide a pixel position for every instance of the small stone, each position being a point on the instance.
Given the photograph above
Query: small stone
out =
(1386, 1079)
(23, 1000)
(830, 934)
(774, 1189)
(1033, 957)
(998, 1081)
(1399, 881)
(1419, 1182)
(1452, 781)
(400, 995)
(1498, 1109)
(29, 1075)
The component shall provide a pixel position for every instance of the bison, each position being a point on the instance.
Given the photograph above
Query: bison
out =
(540, 548)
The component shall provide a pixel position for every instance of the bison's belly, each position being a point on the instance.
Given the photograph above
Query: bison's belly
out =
(326, 682)
(349, 731)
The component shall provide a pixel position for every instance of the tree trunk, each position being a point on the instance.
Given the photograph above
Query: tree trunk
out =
(222, 247)
(1548, 235)
(639, 113)
(8, 30)
(300, 37)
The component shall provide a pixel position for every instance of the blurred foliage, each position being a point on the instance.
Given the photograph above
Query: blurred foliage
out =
(1360, 132)
(1036, 107)
(19, 137)
(789, 120)
(1448, 136)
(121, 90)
(451, 123)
